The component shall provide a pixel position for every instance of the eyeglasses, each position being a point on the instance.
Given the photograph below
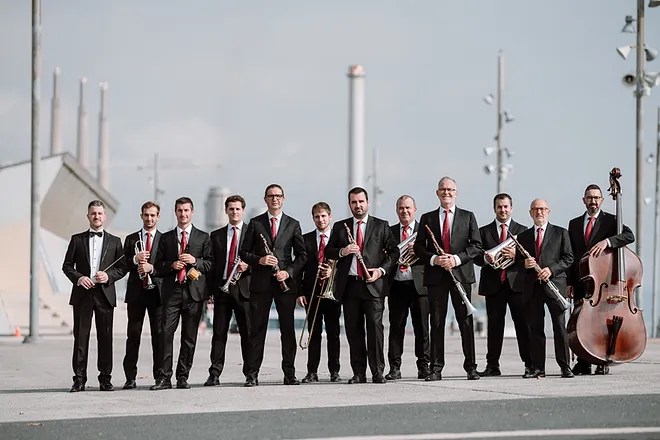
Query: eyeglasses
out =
(275, 196)
(450, 190)
(593, 197)
(539, 209)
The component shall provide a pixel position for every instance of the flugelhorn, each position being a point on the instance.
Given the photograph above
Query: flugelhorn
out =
(327, 292)
(407, 256)
(276, 268)
(233, 276)
(459, 286)
(139, 247)
(500, 261)
(551, 286)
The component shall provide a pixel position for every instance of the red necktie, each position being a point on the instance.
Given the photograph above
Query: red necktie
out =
(145, 280)
(539, 240)
(273, 228)
(587, 232)
(445, 232)
(404, 236)
(181, 276)
(232, 252)
(321, 254)
(502, 238)
(360, 242)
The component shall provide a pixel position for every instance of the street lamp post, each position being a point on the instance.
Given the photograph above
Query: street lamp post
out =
(503, 117)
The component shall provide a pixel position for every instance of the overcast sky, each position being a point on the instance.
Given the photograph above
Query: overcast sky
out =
(241, 94)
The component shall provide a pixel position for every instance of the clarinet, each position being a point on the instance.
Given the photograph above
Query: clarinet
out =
(276, 268)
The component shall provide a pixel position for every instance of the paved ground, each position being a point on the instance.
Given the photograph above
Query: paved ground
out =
(35, 403)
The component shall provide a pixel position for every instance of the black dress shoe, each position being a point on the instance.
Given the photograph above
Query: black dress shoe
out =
(162, 384)
(310, 378)
(529, 373)
(472, 375)
(77, 386)
(490, 371)
(378, 378)
(602, 370)
(393, 375)
(106, 386)
(581, 369)
(182, 384)
(130, 384)
(251, 382)
(335, 377)
(567, 373)
(212, 381)
(357, 379)
(422, 373)
(291, 380)
(433, 377)
(540, 373)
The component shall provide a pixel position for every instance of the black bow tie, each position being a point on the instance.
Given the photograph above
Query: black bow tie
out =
(98, 234)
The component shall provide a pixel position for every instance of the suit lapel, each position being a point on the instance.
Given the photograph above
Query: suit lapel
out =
(85, 240)
(435, 226)
(455, 225)
(547, 239)
(369, 227)
(154, 246)
(599, 221)
(284, 223)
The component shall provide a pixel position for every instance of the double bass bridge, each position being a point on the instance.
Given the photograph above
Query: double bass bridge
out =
(616, 299)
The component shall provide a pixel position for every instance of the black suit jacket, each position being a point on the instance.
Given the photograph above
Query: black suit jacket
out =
(489, 280)
(380, 250)
(417, 268)
(199, 246)
(308, 274)
(556, 254)
(465, 242)
(604, 227)
(288, 243)
(219, 247)
(76, 264)
(134, 283)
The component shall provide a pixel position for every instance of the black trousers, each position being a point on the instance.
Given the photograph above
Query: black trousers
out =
(149, 304)
(180, 305)
(496, 310)
(260, 304)
(403, 298)
(360, 308)
(223, 306)
(328, 312)
(94, 303)
(438, 295)
(536, 315)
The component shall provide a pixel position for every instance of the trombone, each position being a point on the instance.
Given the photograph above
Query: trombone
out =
(327, 288)
(139, 247)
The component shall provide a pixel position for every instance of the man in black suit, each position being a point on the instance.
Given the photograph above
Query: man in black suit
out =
(326, 310)
(502, 287)
(273, 278)
(591, 233)
(550, 247)
(361, 282)
(142, 292)
(227, 268)
(457, 234)
(407, 293)
(93, 264)
(182, 261)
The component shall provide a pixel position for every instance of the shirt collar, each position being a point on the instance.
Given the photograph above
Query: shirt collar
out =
(364, 220)
(188, 229)
(278, 217)
(595, 216)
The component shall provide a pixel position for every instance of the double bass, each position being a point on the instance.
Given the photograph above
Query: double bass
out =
(606, 327)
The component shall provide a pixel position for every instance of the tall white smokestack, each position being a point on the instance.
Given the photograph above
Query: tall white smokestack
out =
(356, 126)
(104, 152)
(81, 139)
(55, 123)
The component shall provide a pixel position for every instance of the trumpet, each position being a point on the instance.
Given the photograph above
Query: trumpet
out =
(233, 276)
(551, 286)
(139, 247)
(327, 292)
(359, 254)
(499, 260)
(459, 286)
(407, 256)
(276, 268)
